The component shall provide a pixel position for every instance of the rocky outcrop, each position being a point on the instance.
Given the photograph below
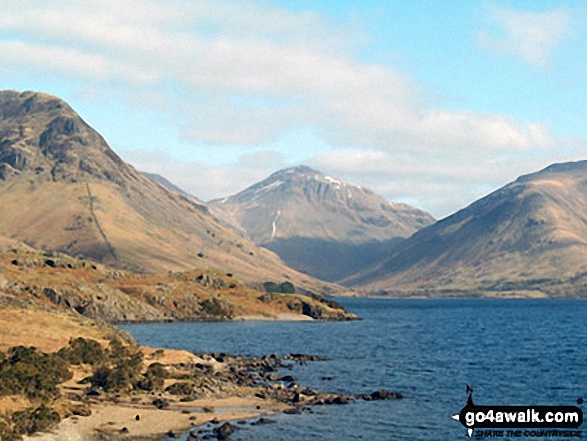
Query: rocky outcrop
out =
(100, 292)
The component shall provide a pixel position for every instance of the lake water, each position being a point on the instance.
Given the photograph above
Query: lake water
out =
(512, 352)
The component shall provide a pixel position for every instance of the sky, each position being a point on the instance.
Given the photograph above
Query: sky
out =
(431, 103)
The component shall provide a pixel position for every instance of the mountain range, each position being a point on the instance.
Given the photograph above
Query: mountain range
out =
(62, 188)
(317, 224)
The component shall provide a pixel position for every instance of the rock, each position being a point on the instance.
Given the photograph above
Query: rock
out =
(266, 298)
(292, 411)
(262, 421)
(124, 430)
(383, 394)
(314, 311)
(224, 431)
(138, 418)
(53, 296)
(171, 434)
(160, 403)
(92, 393)
(82, 411)
(340, 400)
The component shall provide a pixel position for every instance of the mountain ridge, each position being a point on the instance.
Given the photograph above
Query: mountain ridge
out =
(528, 238)
(62, 188)
(319, 224)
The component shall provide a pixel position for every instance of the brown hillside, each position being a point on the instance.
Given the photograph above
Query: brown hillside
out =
(62, 188)
(527, 239)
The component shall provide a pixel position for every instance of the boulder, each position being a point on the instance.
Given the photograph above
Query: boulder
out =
(383, 394)
(224, 431)
(262, 421)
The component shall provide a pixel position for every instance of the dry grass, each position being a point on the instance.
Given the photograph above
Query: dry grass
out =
(47, 331)
(114, 295)
(148, 228)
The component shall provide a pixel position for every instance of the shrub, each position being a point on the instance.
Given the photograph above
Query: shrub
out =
(5, 431)
(181, 388)
(283, 288)
(33, 374)
(329, 302)
(111, 379)
(29, 421)
(154, 378)
(215, 307)
(84, 351)
(120, 370)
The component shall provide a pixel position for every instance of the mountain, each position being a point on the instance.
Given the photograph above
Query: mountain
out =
(62, 188)
(166, 183)
(320, 225)
(528, 238)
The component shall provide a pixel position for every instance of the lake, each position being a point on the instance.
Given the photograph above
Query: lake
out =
(512, 352)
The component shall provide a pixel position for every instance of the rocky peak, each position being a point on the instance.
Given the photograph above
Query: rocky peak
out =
(42, 135)
(322, 225)
(301, 180)
(303, 173)
(313, 201)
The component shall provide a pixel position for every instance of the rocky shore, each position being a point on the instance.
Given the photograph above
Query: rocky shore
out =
(171, 393)
(93, 290)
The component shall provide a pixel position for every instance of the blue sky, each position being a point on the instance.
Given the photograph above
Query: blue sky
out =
(430, 103)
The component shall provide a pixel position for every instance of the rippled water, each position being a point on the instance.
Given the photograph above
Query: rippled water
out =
(510, 351)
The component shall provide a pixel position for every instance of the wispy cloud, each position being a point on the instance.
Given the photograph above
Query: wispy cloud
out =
(214, 51)
(449, 183)
(208, 181)
(240, 72)
(532, 37)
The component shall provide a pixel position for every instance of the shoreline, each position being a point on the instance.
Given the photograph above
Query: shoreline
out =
(285, 317)
(457, 297)
(204, 391)
(118, 421)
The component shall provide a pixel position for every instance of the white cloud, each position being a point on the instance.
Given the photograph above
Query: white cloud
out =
(448, 182)
(208, 181)
(440, 184)
(238, 72)
(529, 36)
(214, 50)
